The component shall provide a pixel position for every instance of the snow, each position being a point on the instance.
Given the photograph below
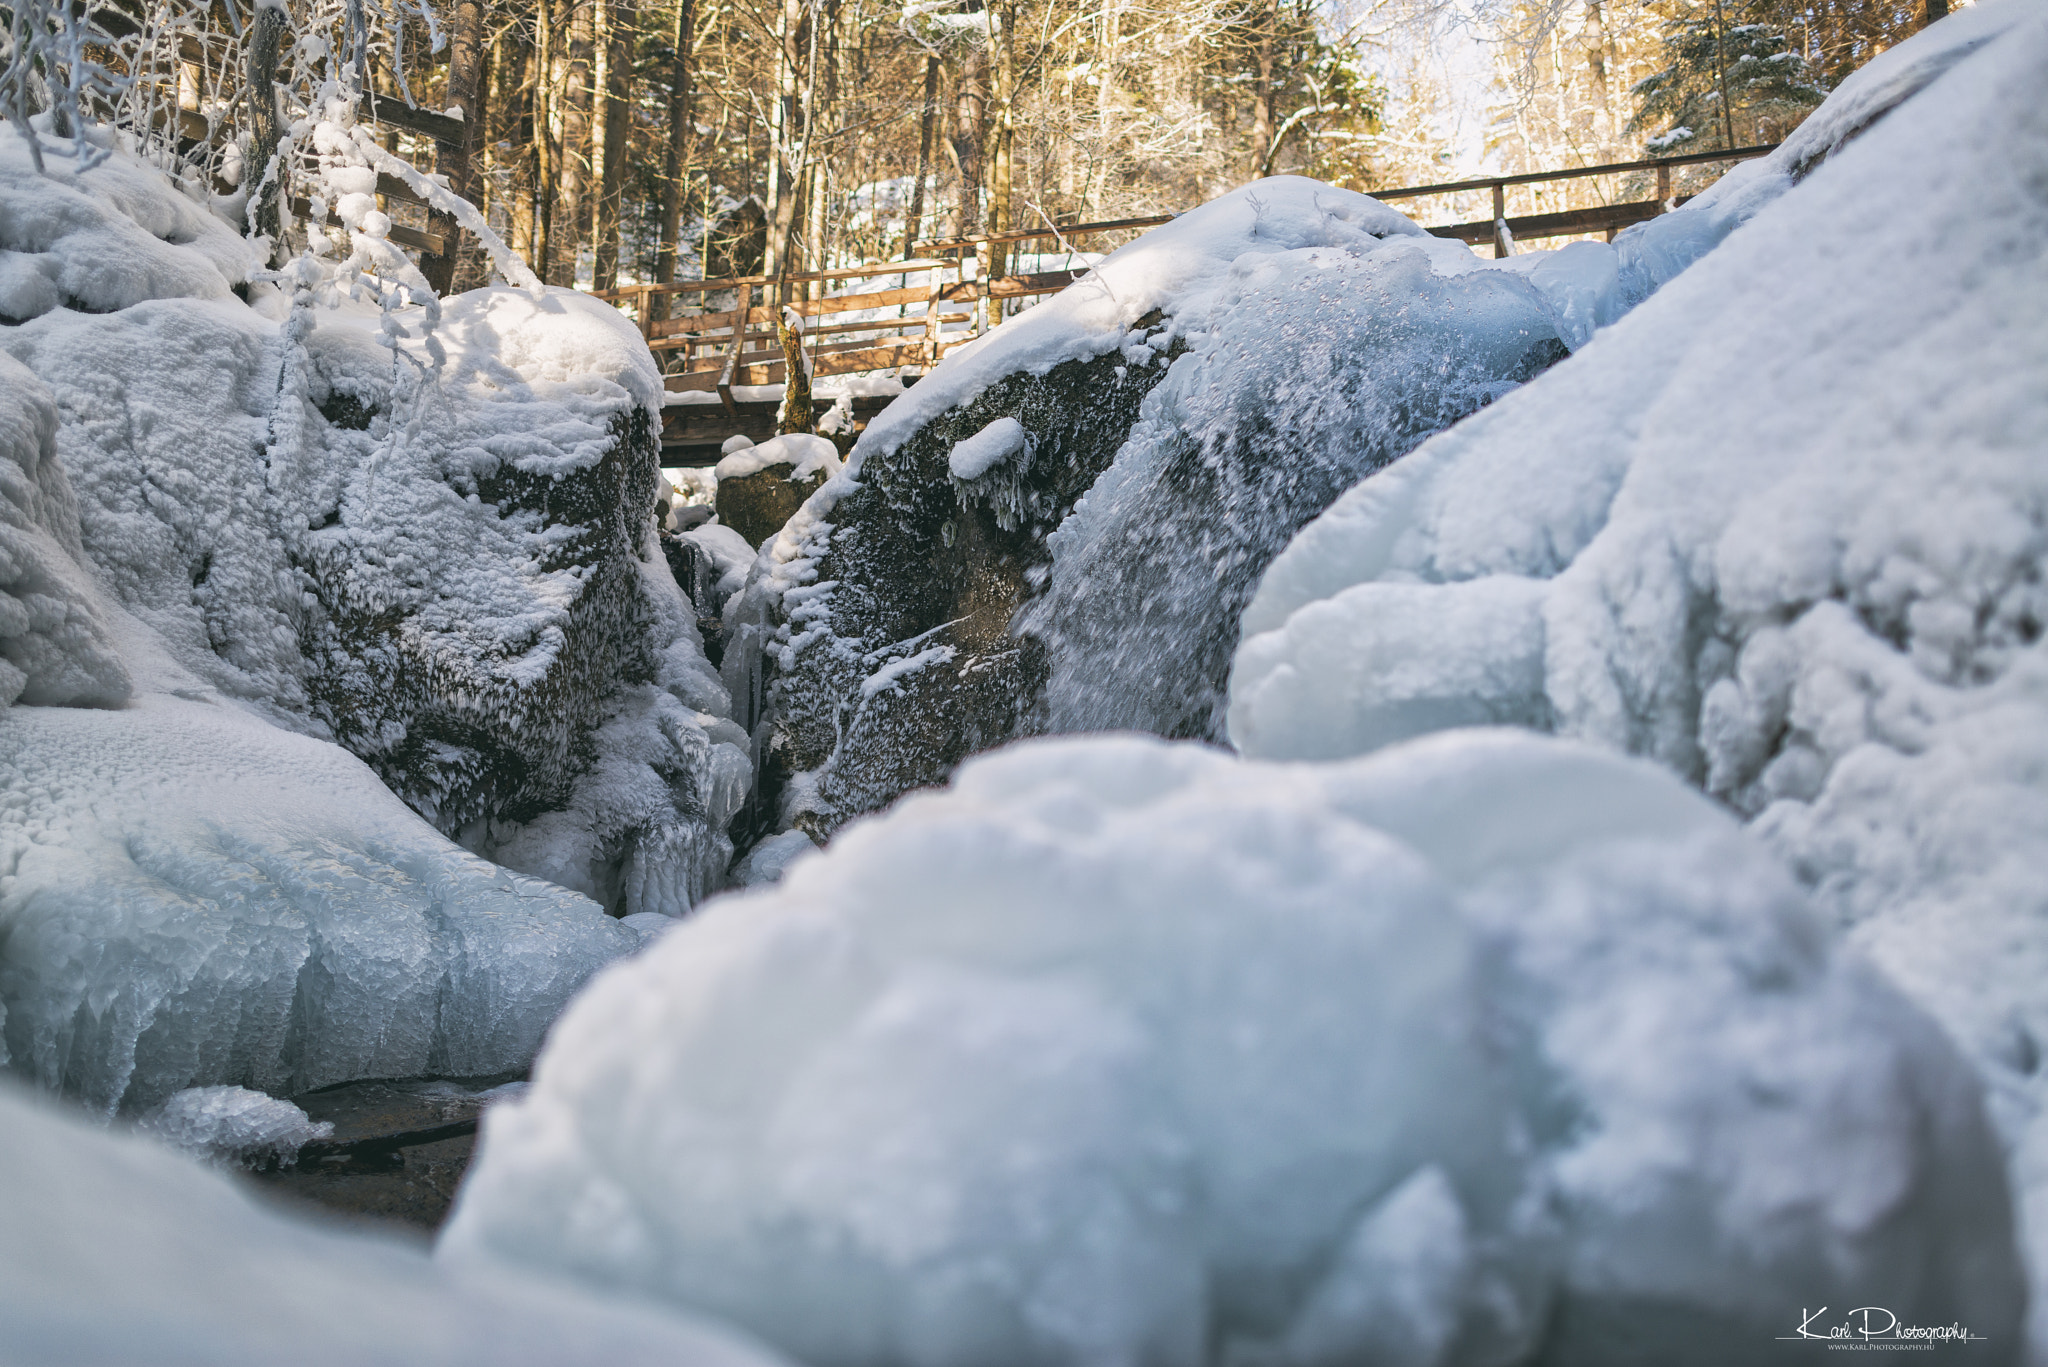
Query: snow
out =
(1125, 1051)
(116, 1249)
(991, 446)
(233, 1125)
(1781, 529)
(804, 454)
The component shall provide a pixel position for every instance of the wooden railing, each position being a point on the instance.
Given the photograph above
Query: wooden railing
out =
(712, 348)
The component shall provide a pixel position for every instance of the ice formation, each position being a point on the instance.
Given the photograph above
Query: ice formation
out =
(1485, 1048)
(233, 1125)
(1785, 529)
(425, 533)
(114, 1249)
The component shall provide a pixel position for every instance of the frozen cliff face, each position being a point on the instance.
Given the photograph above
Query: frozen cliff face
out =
(234, 534)
(1490, 1049)
(114, 1249)
(426, 534)
(55, 646)
(1785, 529)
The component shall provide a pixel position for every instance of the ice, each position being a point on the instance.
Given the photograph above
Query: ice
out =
(1314, 368)
(114, 1249)
(55, 646)
(1484, 1048)
(233, 1125)
(1782, 529)
(425, 533)
(768, 861)
(194, 897)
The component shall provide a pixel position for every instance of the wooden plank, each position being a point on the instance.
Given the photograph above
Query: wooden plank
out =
(868, 271)
(398, 114)
(1035, 234)
(1574, 173)
(1045, 282)
(1600, 218)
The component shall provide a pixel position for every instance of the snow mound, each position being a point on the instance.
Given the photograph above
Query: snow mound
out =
(1785, 529)
(117, 1250)
(194, 897)
(233, 1125)
(106, 239)
(55, 646)
(1120, 1051)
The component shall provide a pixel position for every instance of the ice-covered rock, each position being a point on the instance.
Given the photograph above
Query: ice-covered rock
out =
(1077, 516)
(1785, 529)
(1488, 1049)
(426, 534)
(759, 487)
(275, 525)
(114, 1249)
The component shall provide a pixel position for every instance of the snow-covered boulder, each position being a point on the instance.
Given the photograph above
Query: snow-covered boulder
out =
(1785, 529)
(426, 534)
(114, 1249)
(759, 487)
(240, 531)
(1054, 529)
(1486, 1048)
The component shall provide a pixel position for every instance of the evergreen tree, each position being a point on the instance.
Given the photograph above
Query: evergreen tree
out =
(1732, 77)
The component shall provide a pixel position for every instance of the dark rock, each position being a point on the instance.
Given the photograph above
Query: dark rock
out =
(923, 562)
(757, 505)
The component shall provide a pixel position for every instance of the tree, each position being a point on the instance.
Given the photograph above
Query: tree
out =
(1732, 78)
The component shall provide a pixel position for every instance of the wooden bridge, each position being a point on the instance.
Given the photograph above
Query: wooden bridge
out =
(723, 342)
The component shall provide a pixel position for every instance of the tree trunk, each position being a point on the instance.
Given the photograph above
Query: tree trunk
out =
(970, 114)
(796, 386)
(545, 124)
(681, 130)
(784, 122)
(610, 97)
(452, 159)
(266, 34)
(1001, 175)
(1936, 10)
(1262, 99)
(924, 156)
(572, 217)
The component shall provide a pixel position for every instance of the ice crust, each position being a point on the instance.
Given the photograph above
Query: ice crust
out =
(114, 1249)
(1121, 1051)
(1784, 529)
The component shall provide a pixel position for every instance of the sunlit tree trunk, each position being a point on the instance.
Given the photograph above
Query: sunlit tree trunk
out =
(681, 130)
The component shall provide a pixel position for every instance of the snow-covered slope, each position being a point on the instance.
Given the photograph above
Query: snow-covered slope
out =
(116, 1250)
(1785, 528)
(1120, 1051)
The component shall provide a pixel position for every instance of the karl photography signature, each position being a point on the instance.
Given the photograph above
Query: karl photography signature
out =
(1874, 1327)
